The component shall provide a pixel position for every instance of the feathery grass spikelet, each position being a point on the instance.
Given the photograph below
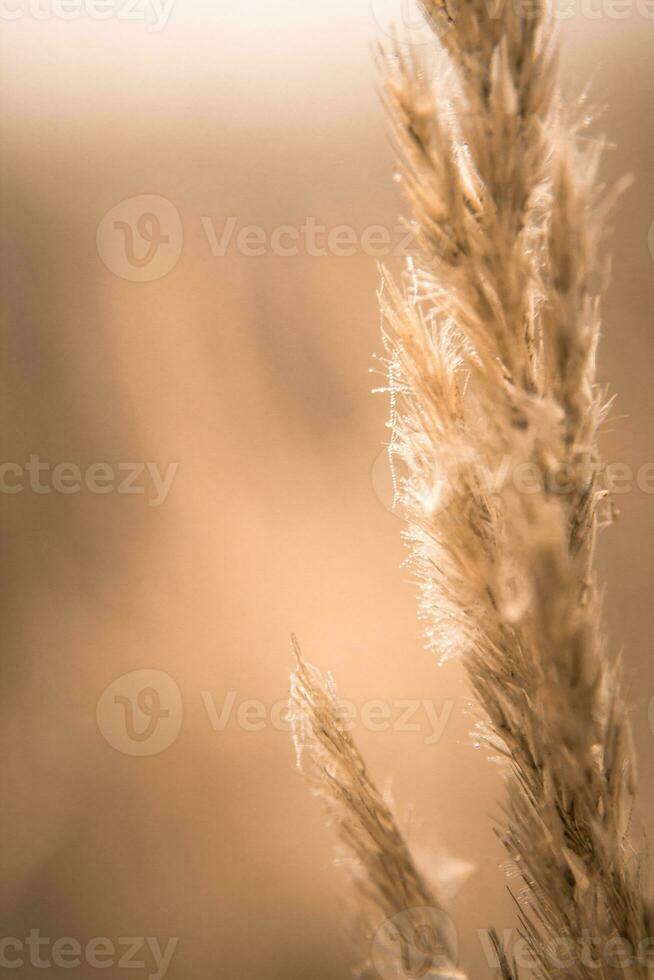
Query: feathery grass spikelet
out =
(377, 855)
(491, 365)
(495, 411)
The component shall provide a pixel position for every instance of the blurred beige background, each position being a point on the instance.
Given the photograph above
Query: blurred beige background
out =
(251, 373)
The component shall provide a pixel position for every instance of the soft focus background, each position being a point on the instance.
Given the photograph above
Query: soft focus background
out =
(251, 373)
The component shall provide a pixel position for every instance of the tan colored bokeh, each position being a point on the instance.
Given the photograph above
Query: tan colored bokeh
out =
(252, 374)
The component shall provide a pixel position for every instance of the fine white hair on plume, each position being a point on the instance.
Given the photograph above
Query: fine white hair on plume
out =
(490, 341)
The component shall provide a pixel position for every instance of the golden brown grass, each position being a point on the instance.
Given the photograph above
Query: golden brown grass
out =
(376, 853)
(491, 343)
